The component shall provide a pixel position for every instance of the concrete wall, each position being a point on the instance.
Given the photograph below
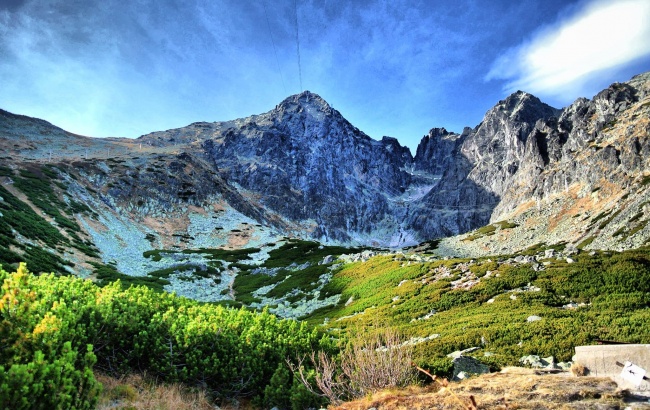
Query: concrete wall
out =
(600, 360)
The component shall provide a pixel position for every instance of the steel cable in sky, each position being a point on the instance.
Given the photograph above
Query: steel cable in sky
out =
(277, 62)
(295, 7)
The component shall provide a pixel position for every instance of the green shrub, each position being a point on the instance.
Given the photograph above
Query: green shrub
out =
(49, 321)
(40, 365)
(276, 393)
(64, 382)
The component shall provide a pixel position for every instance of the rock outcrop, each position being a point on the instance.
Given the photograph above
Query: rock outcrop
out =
(572, 175)
(579, 176)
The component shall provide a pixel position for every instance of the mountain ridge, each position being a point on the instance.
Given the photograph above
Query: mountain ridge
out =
(302, 169)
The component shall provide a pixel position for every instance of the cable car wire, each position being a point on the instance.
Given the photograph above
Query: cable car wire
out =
(295, 7)
(277, 61)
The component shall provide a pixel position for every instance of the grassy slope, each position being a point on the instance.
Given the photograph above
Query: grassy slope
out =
(615, 287)
(45, 242)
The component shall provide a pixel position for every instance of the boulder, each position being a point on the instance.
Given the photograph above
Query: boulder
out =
(465, 366)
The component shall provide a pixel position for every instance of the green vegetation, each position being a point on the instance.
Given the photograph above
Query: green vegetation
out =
(600, 216)
(18, 217)
(227, 255)
(386, 292)
(507, 225)
(157, 254)
(219, 258)
(54, 330)
(5, 171)
(586, 242)
(165, 273)
(131, 324)
(299, 252)
(541, 247)
(610, 219)
(293, 253)
(637, 228)
(489, 230)
(107, 274)
(645, 180)
(39, 358)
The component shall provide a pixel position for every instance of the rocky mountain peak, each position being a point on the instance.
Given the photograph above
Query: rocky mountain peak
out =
(305, 101)
(437, 133)
(521, 106)
(435, 149)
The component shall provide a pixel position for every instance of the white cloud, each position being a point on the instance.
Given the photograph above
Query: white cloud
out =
(603, 35)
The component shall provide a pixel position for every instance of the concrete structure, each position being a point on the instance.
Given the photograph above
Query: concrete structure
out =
(608, 361)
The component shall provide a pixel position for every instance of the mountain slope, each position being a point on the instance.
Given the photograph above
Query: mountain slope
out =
(536, 173)
(582, 177)
(305, 162)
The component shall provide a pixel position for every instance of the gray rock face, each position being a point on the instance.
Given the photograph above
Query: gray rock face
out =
(304, 170)
(474, 168)
(309, 164)
(438, 150)
(582, 147)
(496, 148)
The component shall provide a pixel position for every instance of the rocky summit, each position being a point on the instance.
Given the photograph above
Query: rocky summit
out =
(533, 172)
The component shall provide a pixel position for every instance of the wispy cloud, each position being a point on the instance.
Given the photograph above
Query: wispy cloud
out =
(560, 59)
(125, 68)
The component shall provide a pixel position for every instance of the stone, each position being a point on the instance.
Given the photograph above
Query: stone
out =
(468, 366)
(327, 260)
(459, 353)
(533, 318)
(303, 170)
(533, 361)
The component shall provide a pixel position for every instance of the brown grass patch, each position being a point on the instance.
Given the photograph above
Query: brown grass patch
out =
(219, 206)
(510, 389)
(137, 392)
(578, 370)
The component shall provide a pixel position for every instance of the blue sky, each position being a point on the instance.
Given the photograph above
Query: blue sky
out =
(125, 68)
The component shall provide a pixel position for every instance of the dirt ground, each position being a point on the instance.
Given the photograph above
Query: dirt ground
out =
(513, 388)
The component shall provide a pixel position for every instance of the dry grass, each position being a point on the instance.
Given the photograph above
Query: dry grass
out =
(135, 392)
(511, 389)
(368, 364)
(578, 370)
